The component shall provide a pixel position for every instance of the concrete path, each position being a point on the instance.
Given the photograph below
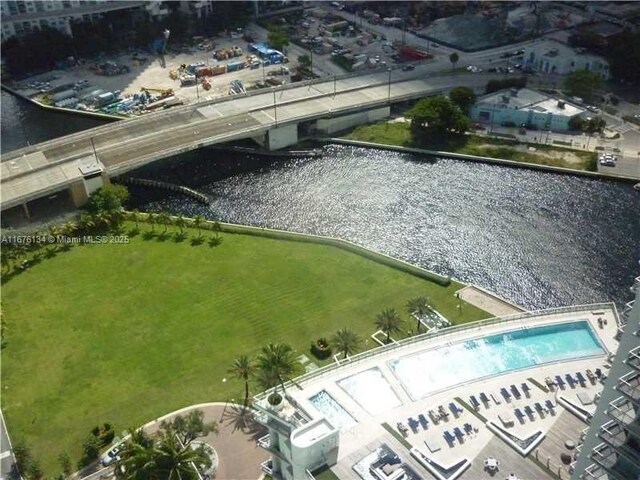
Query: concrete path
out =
(487, 301)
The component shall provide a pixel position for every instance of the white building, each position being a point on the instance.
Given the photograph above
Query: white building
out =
(611, 448)
(553, 57)
(515, 107)
(298, 444)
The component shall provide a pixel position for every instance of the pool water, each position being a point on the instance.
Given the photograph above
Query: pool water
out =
(371, 390)
(332, 410)
(433, 370)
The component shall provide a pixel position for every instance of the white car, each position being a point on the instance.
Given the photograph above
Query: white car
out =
(608, 160)
(111, 455)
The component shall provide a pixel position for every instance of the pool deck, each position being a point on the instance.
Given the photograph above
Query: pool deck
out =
(558, 426)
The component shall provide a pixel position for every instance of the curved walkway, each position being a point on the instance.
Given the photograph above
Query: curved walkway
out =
(236, 442)
(239, 456)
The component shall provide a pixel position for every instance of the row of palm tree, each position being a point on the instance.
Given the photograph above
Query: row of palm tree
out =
(389, 320)
(165, 219)
(275, 363)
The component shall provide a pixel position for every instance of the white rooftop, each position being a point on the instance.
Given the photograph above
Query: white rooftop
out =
(527, 99)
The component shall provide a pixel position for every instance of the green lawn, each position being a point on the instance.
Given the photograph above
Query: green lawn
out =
(400, 134)
(126, 333)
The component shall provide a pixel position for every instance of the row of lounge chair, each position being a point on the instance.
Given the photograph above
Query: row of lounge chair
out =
(548, 408)
(435, 414)
(507, 394)
(458, 434)
(572, 381)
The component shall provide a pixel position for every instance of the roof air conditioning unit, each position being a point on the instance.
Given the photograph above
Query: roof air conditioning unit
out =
(561, 104)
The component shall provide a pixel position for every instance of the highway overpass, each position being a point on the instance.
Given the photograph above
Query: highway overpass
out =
(82, 162)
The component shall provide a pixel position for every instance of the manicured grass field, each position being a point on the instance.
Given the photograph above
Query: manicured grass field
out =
(126, 333)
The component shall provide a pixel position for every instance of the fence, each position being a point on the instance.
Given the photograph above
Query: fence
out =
(446, 332)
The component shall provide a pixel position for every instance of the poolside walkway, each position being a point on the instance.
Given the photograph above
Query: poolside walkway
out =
(487, 301)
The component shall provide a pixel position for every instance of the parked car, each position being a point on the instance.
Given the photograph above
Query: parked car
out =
(608, 160)
(592, 108)
(409, 67)
(112, 455)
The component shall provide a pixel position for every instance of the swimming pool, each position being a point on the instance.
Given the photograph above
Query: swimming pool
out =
(332, 410)
(436, 369)
(371, 390)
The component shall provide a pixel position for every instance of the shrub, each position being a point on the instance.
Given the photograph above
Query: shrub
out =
(320, 349)
(274, 399)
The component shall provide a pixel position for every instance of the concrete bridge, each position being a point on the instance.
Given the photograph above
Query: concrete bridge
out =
(78, 164)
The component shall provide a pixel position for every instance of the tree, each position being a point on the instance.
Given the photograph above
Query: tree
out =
(91, 447)
(107, 199)
(65, 464)
(164, 219)
(592, 125)
(197, 222)
(576, 123)
(277, 38)
(190, 427)
(22, 454)
(173, 461)
(495, 85)
(152, 218)
(304, 61)
(389, 322)
(463, 97)
(453, 58)
(243, 369)
(135, 215)
(34, 472)
(583, 84)
(346, 341)
(437, 115)
(180, 223)
(275, 364)
(418, 306)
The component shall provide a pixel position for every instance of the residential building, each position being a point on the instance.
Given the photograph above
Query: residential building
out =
(515, 107)
(552, 57)
(21, 17)
(298, 444)
(611, 447)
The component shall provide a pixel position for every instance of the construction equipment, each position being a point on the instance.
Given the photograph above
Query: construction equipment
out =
(165, 92)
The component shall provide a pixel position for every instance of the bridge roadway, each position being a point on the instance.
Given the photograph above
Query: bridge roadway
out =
(52, 166)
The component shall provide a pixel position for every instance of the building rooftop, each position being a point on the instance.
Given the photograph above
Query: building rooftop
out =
(527, 99)
(384, 389)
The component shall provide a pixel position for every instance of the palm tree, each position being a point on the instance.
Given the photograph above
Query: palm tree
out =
(389, 322)
(174, 461)
(180, 223)
(346, 341)
(275, 364)
(152, 218)
(216, 227)
(135, 215)
(243, 369)
(197, 222)
(418, 306)
(165, 219)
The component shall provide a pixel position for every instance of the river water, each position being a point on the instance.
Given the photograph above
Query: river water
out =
(539, 239)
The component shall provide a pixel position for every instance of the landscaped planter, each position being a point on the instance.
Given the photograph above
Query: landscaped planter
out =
(320, 349)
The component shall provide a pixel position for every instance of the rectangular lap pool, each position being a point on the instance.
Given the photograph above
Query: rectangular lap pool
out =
(332, 410)
(430, 371)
